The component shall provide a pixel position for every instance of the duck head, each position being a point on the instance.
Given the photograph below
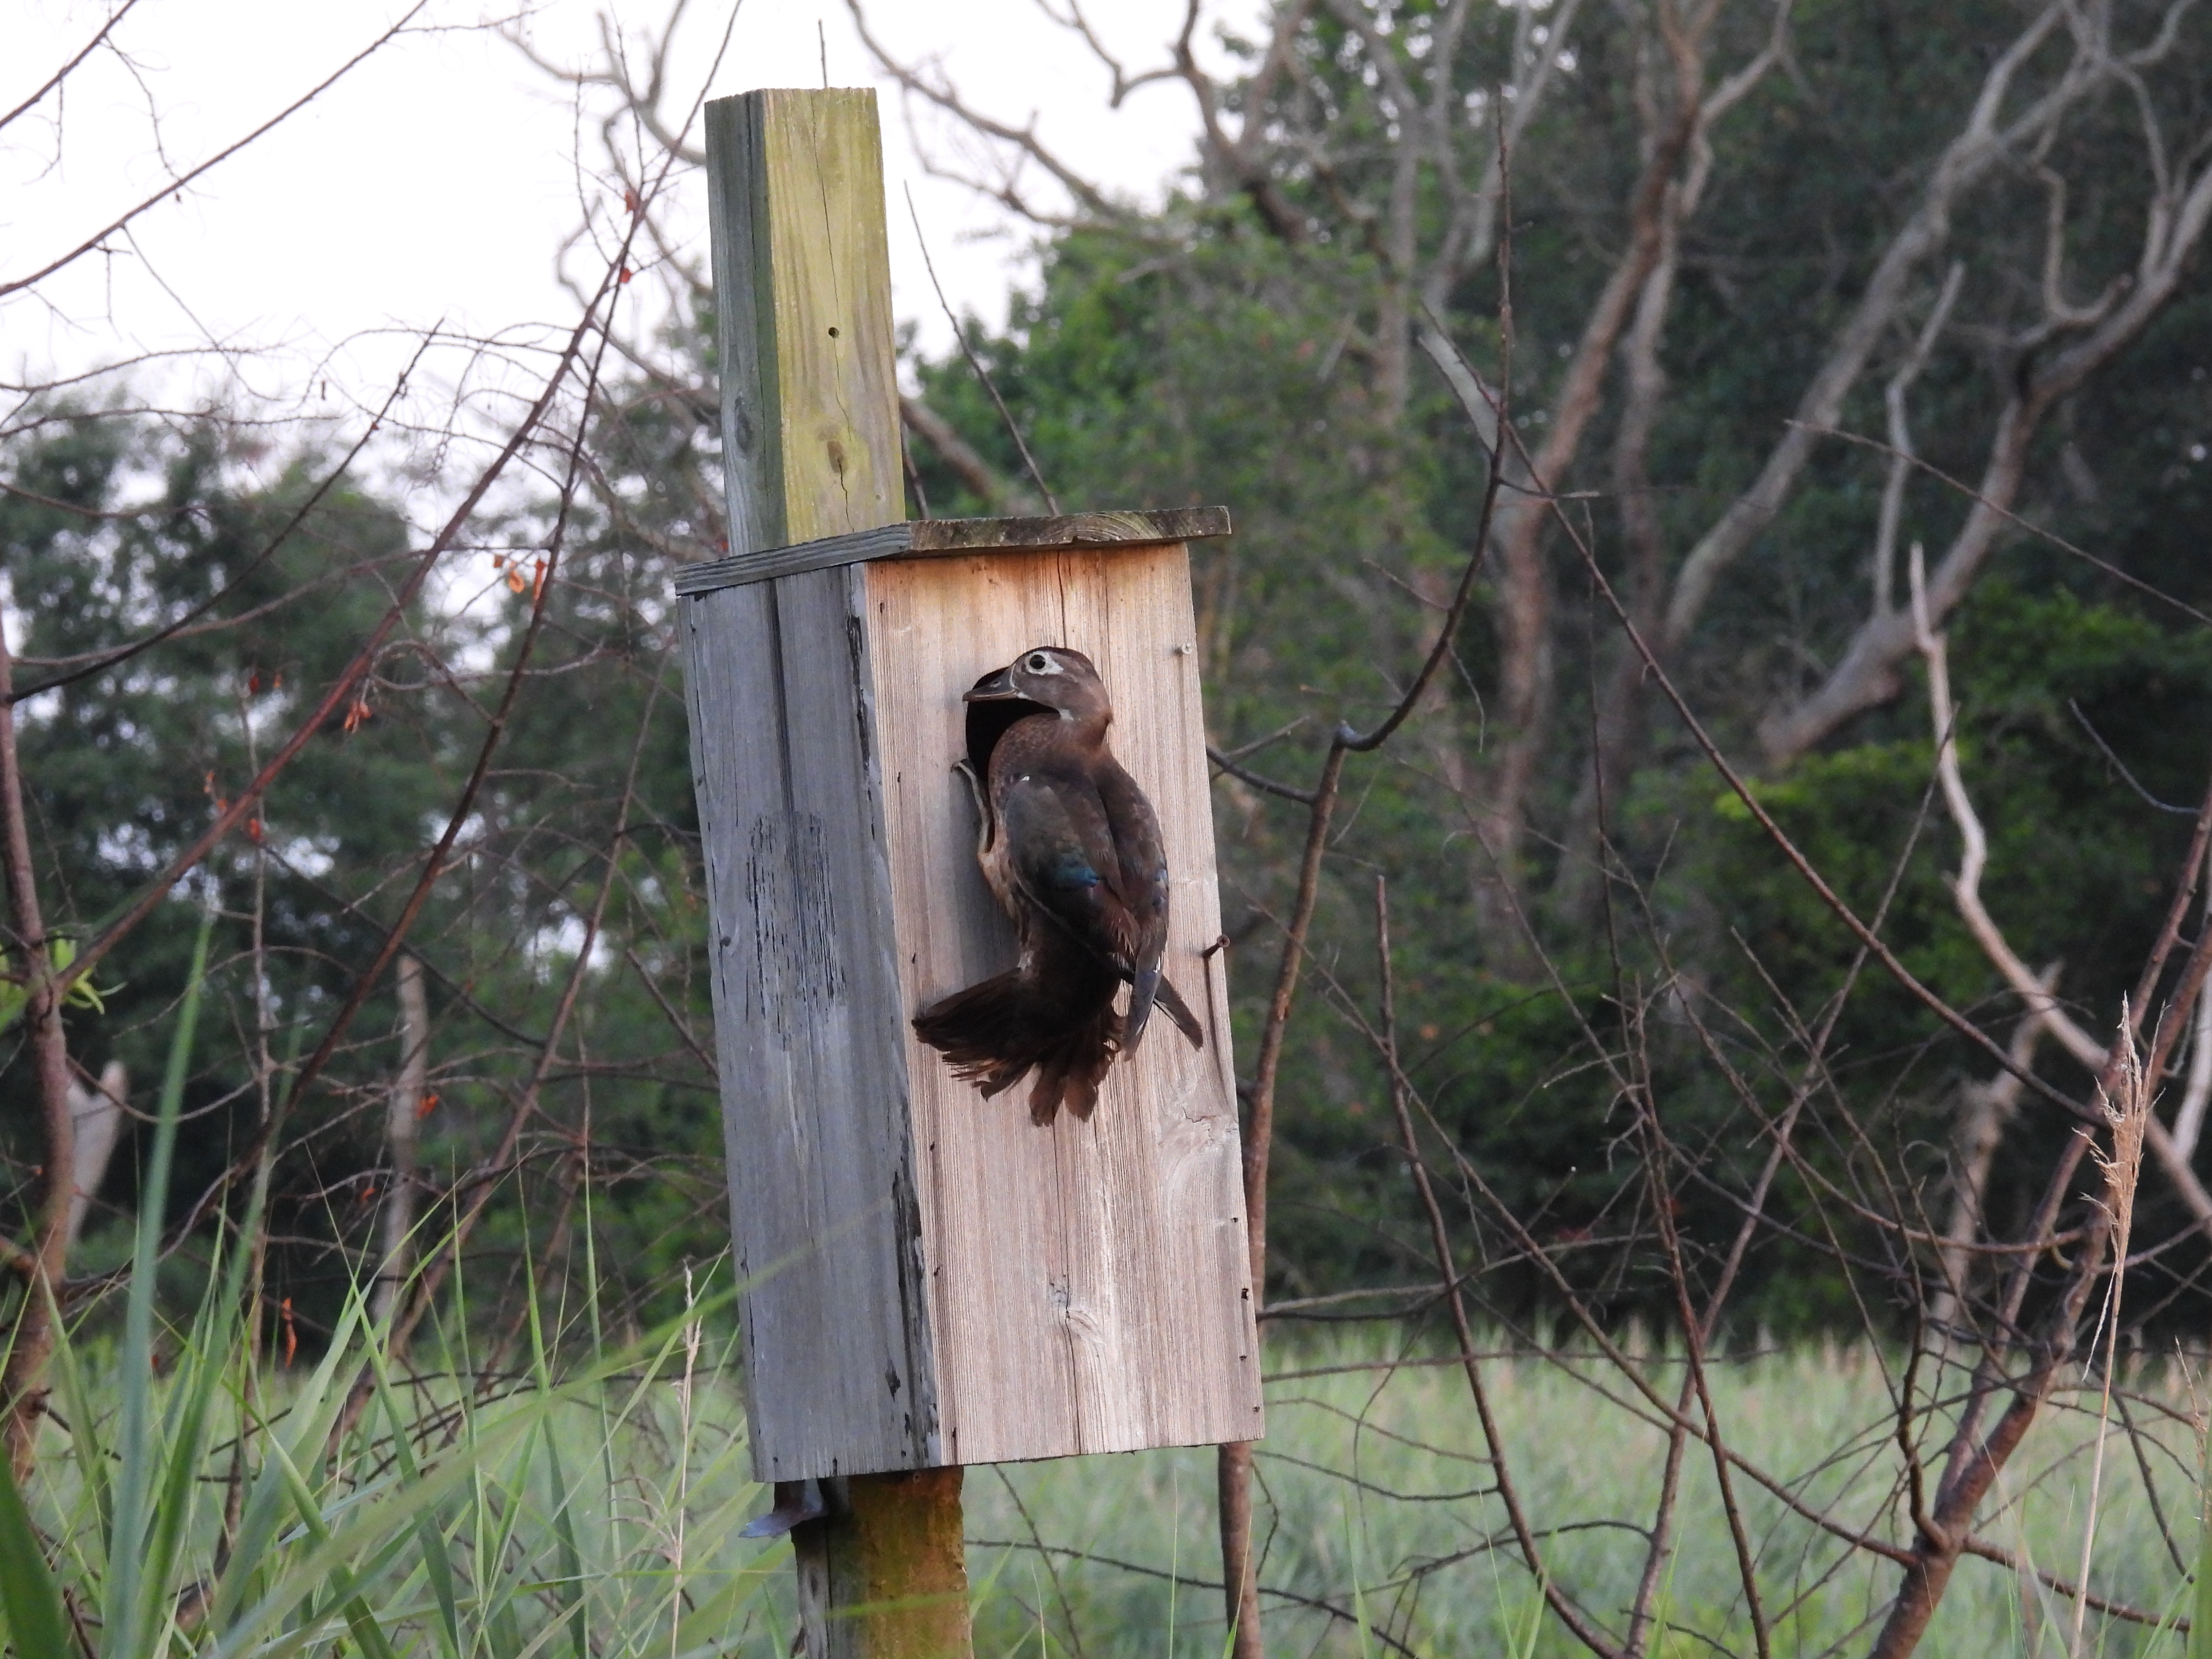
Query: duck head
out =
(1052, 677)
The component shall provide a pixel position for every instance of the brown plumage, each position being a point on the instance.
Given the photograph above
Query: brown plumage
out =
(1071, 850)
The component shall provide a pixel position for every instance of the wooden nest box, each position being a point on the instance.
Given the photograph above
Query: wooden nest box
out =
(927, 1278)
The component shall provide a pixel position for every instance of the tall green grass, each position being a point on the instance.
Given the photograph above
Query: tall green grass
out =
(540, 1518)
(1374, 1504)
(189, 1499)
(598, 1516)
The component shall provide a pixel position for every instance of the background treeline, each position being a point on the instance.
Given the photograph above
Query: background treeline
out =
(1257, 341)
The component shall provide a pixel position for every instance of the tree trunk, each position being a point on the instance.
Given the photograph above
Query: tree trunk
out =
(1988, 1109)
(1526, 655)
(97, 1116)
(402, 1112)
(23, 1384)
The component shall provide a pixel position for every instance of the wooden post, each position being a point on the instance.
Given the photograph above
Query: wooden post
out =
(928, 1279)
(885, 1574)
(811, 448)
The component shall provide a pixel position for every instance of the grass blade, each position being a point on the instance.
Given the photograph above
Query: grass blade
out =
(2200, 1621)
(128, 1591)
(437, 1570)
(37, 1625)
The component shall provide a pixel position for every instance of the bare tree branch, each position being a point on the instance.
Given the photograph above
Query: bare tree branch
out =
(1867, 675)
(999, 493)
(1981, 145)
(18, 284)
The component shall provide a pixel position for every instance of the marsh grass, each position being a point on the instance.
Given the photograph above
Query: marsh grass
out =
(529, 1516)
(189, 1498)
(1375, 1504)
(522, 1518)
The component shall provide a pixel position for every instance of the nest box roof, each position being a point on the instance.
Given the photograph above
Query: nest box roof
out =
(932, 538)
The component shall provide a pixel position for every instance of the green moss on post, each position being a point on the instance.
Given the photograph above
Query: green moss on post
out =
(883, 1575)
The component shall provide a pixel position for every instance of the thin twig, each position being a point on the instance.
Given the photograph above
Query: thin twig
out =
(1440, 1242)
(1013, 431)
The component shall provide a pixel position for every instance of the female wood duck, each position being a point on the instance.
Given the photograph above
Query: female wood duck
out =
(1072, 853)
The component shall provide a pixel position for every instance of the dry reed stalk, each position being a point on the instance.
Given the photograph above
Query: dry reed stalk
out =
(692, 1337)
(2130, 1118)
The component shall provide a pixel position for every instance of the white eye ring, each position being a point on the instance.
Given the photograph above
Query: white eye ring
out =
(1037, 663)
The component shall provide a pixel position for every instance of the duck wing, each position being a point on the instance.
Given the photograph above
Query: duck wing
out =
(1141, 853)
(1058, 845)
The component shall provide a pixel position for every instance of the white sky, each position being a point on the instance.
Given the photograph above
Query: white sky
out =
(439, 180)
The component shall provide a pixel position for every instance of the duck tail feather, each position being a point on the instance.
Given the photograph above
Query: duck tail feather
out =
(996, 1032)
(1176, 1009)
(1144, 987)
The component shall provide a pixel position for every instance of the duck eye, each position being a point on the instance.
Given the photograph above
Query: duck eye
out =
(1038, 663)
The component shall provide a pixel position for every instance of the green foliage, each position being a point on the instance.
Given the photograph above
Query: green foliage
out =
(16, 988)
(35, 1622)
(196, 1498)
(2079, 864)
(1379, 1499)
(1146, 374)
(271, 573)
(118, 528)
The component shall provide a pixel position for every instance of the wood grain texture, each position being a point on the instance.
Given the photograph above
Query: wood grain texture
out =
(1087, 1282)
(935, 538)
(883, 1575)
(1124, 529)
(929, 1278)
(809, 393)
(808, 1015)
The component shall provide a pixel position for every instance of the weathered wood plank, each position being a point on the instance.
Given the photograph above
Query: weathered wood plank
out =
(1087, 1282)
(769, 562)
(807, 1011)
(810, 391)
(936, 538)
(930, 1278)
(1160, 525)
(808, 1005)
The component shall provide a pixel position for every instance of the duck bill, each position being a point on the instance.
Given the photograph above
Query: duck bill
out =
(993, 688)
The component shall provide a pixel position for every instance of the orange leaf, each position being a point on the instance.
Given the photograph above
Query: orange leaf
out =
(429, 1105)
